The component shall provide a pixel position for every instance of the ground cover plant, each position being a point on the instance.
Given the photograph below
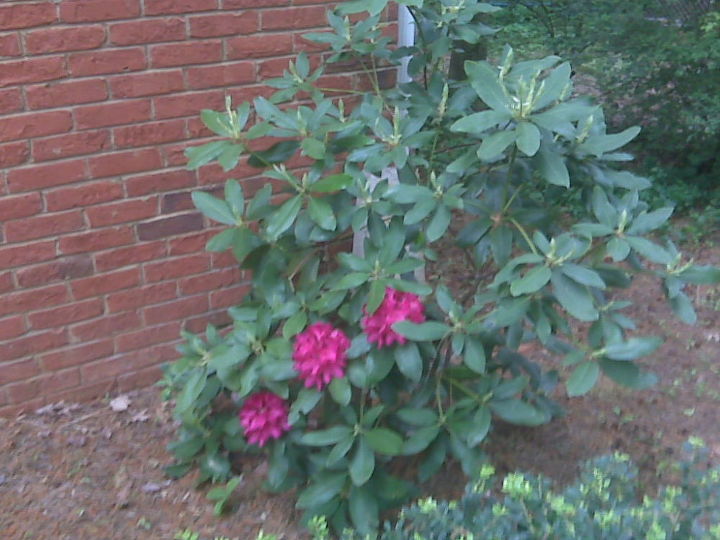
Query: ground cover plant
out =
(340, 364)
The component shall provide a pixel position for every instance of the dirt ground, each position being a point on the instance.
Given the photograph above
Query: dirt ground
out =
(76, 472)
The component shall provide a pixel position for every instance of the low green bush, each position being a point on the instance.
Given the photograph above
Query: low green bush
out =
(604, 503)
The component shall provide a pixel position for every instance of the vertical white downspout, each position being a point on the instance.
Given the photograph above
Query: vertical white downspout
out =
(406, 38)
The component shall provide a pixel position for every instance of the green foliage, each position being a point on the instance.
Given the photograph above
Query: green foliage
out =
(491, 150)
(653, 63)
(604, 503)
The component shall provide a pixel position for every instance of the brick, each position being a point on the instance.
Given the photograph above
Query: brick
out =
(149, 134)
(175, 202)
(169, 7)
(24, 392)
(10, 45)
(11, 327)
(224, 24)
(105, 326)
(228, 297)
(227, 74)
(140, 297)
(84, 195)
(294, 18)
(52, 95)
(14, 256)
(57, 270)
(24, 301)
(61, 380)
(120, 163)
(62, 316)
(209, 282)
(199, 324)
(6, 282)
(176, 310)
(86, 392)
(145, 377)
(170, 226)
(122, 212)
(32, 70)
(174, 154)
(147, 31)
(105, 283)
(34, 343)
(225, 259)
(14, 154)
(98, 10)
(10, 100)
(243, 4)
(182, 54)
(190, 243)
(26, 407)
(43, 226)
(77, 355)
(96, 240)
(153, 335)
(43, 176)
(188, 104)
(55, 40)
(175, 268)
(259, 46)
(147, 84)
(27, 15)
(112, 114)
(138, 186)
(119, 257)
(106, 62)
(18, 206)
(26, 126)
(71, 144)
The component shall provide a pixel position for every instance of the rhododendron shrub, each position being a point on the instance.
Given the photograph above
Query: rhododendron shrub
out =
(338, 364)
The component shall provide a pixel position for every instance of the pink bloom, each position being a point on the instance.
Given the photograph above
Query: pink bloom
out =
(264, 416)
(320, 354)
(396, 306)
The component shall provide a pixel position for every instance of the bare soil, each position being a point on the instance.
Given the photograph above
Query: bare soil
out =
(76, 472)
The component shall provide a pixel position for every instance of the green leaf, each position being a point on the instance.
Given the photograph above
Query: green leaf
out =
(528, 138)
(384, 441)
(479, 427)
(351, 281)
(235, 197)
(313, 148)
(340, 390)
(362, 464)
(322, 490)
(420, 440)
(409, 361)
(534, 280)
(339, 451)
(326, 437)
(418, 417)
(376, 295)
(479, 122)
(439, 223)
(647, 222)
(474, 355)
(202, 155)
(583, 378)
(363, 504)
(701, 275)
(599, 144)
(633, 348)
(305, 402)
(186, 448)
(295, 324)
(322, 214)
(583, 275)
(618, 249)
(283, 218)
(230, 156)
(574, 298)
(331, 183)
(214, 208)
(627, 374)
(649, 250)
(277, 153)
(495, 144)
(553, 169)
(217, 122)
(221, 241)
(518, 412)
(427, 331)
(683, 308)
(484, 80)
(192, 389)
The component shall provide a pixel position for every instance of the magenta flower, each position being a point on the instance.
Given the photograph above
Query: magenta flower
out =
(264, 416)
(320, 354)
(396, 306)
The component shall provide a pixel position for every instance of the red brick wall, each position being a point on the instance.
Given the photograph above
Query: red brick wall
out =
(102, 258)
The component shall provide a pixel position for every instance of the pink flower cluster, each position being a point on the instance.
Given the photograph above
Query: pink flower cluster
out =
(264, 416)
(320, 354)
(396, 306)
